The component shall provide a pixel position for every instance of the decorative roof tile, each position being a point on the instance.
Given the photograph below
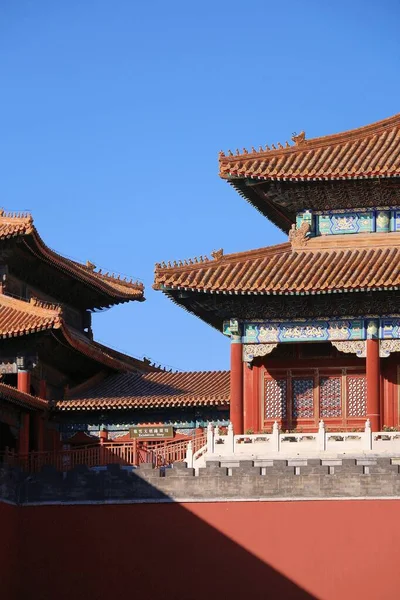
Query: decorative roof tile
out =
(153, 390)
(370, 151)
(323, 265)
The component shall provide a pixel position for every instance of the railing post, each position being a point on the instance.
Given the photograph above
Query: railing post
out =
(275, 446)
(367, 435)
(210, 439)
(189, 456)
(230, 439)
(321, 436)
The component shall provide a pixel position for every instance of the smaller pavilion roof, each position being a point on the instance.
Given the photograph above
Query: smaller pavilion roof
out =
(22, 399)
(317, 265)
(369, 151)
(153, 391)
(111, 286)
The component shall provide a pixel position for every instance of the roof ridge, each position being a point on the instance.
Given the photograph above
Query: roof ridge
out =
(16, 216)
(114, 277)
(182, 373)
(301, 143)
(144, 365)
(226, 258)
(104, 354)
(50, 306)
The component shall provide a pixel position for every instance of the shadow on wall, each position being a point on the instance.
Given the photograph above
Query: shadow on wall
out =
(151, 551)
(195, 551)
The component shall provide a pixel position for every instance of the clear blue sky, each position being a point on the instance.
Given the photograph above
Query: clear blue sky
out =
(113, 113)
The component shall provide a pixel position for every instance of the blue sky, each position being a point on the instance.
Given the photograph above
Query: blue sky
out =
(113, 114)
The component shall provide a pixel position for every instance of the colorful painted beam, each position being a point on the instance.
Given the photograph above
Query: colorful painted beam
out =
(323, 330)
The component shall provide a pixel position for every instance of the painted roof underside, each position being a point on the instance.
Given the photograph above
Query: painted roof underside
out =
(341, 263)
(21, 225)
(370, 151)
(154, 391)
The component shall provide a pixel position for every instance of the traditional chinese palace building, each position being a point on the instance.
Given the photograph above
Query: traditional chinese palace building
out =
(314, 323)
(55, 378)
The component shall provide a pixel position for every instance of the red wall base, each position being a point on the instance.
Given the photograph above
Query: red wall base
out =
(291, 550)
(8, 551)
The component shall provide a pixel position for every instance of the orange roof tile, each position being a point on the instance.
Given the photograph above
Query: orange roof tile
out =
(154, 390)
(322, 265)
(370, 151)
(21, 225)
(21, 398)
(18, 317)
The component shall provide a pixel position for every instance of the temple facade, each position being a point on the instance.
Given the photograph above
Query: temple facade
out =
(314, 323)
(55, 379)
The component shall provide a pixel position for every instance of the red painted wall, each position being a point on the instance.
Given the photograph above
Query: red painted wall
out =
(8, 551)
(260, 550)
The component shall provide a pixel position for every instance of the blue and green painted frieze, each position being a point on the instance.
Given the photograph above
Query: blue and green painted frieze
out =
(379, 220)
(324, 330)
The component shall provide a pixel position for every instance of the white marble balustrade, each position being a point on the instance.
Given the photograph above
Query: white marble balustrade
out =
(277, 445)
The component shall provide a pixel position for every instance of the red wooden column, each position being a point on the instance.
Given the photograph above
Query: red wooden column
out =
(236, 396)
(24, 380)
(24, 385)
(248, 405)
(373, 376)
(103, 435)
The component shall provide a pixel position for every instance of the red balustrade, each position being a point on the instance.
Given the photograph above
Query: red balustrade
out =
(131, 453)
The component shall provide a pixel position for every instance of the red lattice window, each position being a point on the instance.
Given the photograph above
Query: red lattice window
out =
(275, 399)
(303, 398)
(330, 397)
(356, 396)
